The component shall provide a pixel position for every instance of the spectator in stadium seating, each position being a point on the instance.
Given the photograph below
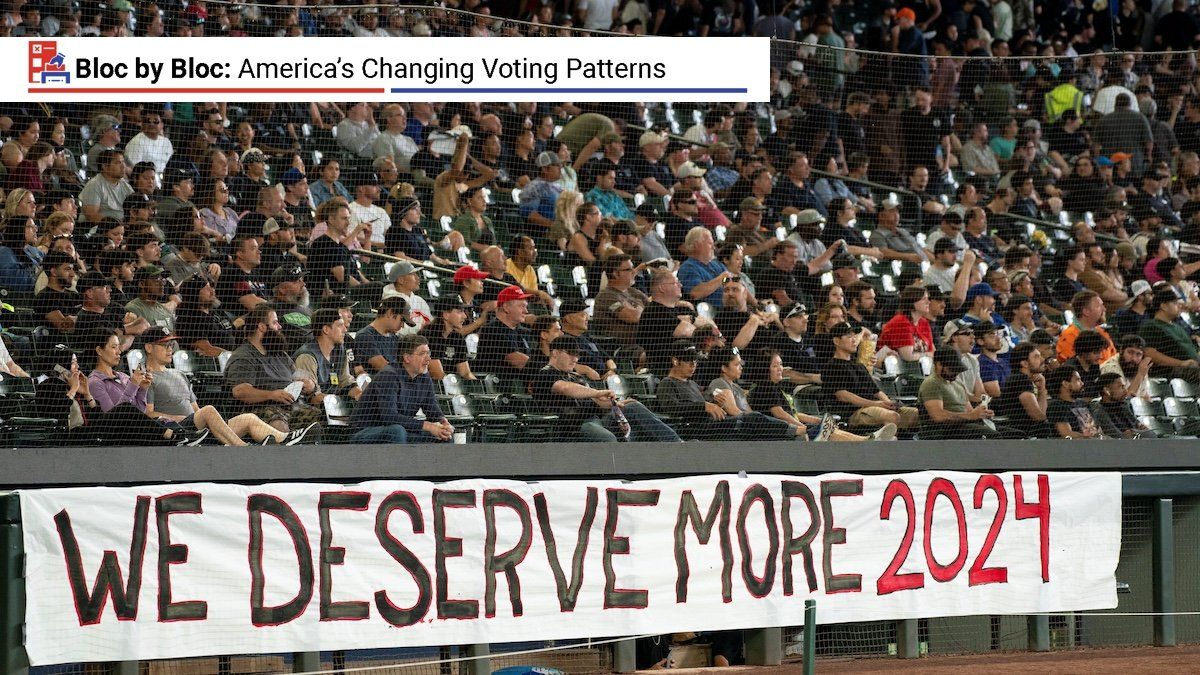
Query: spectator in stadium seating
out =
(702, 275)
(1114, 415)
(605, 196)
(538, 198)
(376, 344)
(327, 185)
(723, 417)
(1069, 415)
(976, 156)
(1024, 398)
(1173, 273)
(951, 228)
(977, 238)
(909, 333)
(260, 373)
(30, 173)
(1168, 344)
(893, 241)
(189, 261)
(654, 246)
(733, 256)
(993, 370)
(19, 255)
(358, 131)
(1124, 130)
(797, 190)
(150, 145)
(170, 400)
(504, 348)
(860, 306)
(386, 413)
(323, 357)
(1098, 277)
(749, 231)
(98, 312)
(664, 319)
(575, 320)
(200, 326)
(736, 318)
(287, 297)
(960, 336)
(332, 267)
(1132, 364)
(691, 178)
(121, 400)
(619, 307)
(152, 301)
(447, 345)
(981, 307)
(810, 250)
(1090, 314)
(568, 395)
(653, 175)
(586, 238)
(473, 223)
(296, 200)
(950, 414)
(392, 141)
(104, 195)
(852, 393)
(365, 210)
(106, 135)
(178, 186)
(941, 272)
(216, 212)
(405, 280)
(57, 304)
(800, 362)
(469, 288)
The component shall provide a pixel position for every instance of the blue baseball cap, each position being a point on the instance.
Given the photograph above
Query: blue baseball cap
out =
(978, 290)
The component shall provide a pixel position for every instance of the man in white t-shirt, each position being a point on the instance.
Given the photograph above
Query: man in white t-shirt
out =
(364, 210)
(405, 279)
(150, 145)
(391, 142)
(597, 14)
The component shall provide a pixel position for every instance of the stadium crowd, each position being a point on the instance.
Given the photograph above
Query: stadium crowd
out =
(980, 229)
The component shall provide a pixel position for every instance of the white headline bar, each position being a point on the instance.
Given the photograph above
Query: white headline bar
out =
(346, 69)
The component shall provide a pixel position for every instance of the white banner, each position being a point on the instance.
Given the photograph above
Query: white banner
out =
(382, 69)
(117, 574)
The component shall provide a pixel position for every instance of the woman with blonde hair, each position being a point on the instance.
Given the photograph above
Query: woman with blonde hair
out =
(566, 222)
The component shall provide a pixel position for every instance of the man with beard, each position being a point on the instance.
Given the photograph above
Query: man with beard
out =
(149, 305)
(200, 326)
(364, 209)
(288, 299)
(1068, 415)
(332, 266)
(98, 312)
(948, 414)
(279, 244)
(260, 376)
(1024, 398)
(179, 185)
(323, 357)
(1131, 364)
(1090, 314)
(736, 320)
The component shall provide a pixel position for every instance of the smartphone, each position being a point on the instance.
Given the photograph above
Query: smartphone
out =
(61, 371)
(985, 400)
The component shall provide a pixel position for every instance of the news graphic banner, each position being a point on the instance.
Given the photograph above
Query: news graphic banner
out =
(117, 574)
(380, 69)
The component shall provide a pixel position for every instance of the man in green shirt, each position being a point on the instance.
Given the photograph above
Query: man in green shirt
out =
(1168, 344)
(947, 412)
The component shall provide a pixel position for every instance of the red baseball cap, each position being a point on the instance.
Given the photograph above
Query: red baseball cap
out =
(513, 292)
(467, 272)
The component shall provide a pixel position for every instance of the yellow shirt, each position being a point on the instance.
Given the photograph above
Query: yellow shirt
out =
(527, 278)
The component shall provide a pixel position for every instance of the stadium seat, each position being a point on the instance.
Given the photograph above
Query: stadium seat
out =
(1159, 388)
(1183, 389)
(337, 418)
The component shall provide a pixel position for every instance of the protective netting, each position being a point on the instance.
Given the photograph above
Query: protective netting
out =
(686, 244)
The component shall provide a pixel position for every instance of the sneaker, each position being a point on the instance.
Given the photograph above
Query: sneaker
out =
(311, 434)
(828, 426)
(886, 432)
(194, 439)
(269, 440)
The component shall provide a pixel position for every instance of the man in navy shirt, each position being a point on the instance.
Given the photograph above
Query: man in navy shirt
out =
(504, 347)
(387, 411)
(375, 347)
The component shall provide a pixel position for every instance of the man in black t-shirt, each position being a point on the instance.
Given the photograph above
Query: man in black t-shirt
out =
(447, 346)
(330, 264)
(98, 312)
(199, 325)
(57, 305)
(240, 287)
(778, 281)
(557, 388)
(1068, 415)
(852, 393)
(1023, 398)
(665, 319)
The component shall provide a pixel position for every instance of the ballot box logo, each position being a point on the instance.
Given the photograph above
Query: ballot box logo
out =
(47, 65)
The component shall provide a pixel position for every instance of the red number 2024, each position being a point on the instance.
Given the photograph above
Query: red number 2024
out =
(892, 580)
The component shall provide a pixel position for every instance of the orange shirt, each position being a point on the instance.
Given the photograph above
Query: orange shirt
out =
(1066, 342)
